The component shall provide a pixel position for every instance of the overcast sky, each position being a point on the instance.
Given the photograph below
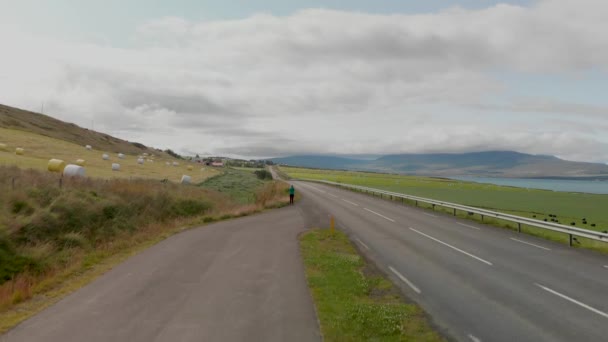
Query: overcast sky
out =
(276, 77)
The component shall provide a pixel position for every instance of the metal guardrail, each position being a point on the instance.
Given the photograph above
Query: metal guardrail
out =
(571, 231)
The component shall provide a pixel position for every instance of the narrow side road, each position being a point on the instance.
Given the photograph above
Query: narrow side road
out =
(240, 280)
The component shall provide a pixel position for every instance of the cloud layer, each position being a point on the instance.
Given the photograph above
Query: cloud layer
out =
(324, 81)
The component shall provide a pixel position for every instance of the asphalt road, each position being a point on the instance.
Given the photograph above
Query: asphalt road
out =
(478, 283)
(240, 280)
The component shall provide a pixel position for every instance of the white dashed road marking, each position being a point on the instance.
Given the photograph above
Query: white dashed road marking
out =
(384, 217)
(601, 313)
(332, 195)
(349, 202)
(452, 247)
(531, 244)
(466, 225)
(431, 215)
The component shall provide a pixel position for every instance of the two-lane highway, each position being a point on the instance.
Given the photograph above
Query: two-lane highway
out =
(477, 282)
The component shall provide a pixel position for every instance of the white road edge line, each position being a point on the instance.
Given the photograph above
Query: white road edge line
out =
(466, 225)
(404, 279)
(332, 195)
(452, 247)
(353, 203)
(531, 244)
(474, 339)
(431, 215)
(606, 266)
(601, 313)
(362, 243)
(384, 217)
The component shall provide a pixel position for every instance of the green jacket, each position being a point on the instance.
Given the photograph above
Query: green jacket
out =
(292, 191)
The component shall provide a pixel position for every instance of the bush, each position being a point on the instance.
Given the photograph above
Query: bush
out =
(263, 174)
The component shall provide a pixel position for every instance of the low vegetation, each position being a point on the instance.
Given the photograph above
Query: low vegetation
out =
(240, 185)
(586, 211)
(354, 301)
(52, 231)
(39, 149)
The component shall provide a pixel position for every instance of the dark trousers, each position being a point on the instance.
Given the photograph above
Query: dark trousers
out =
(290, 199)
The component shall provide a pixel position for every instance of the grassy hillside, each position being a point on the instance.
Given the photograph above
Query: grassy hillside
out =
(27, 121)
(39, 149)
(539, 204)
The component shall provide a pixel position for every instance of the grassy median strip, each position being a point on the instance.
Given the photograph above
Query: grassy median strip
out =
(354, 301)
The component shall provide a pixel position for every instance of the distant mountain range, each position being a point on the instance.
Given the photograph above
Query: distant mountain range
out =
(485, 164)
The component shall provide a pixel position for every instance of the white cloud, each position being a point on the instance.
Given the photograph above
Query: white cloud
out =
(322, 81)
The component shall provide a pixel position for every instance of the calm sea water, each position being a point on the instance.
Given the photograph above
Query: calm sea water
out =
(588, 186)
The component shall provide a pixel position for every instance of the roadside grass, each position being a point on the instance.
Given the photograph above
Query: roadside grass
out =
(354, 301)
(55, 239)
(40, 149)
(539, 204)
(240, 185)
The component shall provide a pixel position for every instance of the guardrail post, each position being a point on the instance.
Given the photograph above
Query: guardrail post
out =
(454, 211)
(433, 207)
(570, 240)
(416, 203)
(519, 227)
(482, 218)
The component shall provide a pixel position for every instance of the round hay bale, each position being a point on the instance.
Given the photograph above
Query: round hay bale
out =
(175, 164)
(121, 156)
(115, 167)
(56, 165)
(19, 151)
(105, 156)
(186, 179)
(202, 169)
(190, 167)
(168, 164)
(3, 147)
(80, 162)
(72, 170)
(89, 147)
(144, 154)
(140, 161)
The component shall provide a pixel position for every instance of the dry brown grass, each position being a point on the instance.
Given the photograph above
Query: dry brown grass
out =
(50, 234)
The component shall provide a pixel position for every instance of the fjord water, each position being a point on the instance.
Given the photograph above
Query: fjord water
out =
(566, 185)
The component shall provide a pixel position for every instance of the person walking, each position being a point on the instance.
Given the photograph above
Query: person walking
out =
(292, 193)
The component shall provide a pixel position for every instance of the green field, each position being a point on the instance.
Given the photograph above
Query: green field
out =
(354, 301)
(568, 207)
(239, 184)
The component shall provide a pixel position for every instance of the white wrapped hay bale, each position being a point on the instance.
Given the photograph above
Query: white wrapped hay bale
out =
(19, 151)
(186, 179)
(105, 156)
(121, 156)
(140, 161)
(72, 170)
(175, 164)
(3, 147)
(89, 147)
(115, 167)
(80, 162)
(144, 154)
(56, 165)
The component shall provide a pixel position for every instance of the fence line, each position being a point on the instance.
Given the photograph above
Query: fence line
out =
(571, 231)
